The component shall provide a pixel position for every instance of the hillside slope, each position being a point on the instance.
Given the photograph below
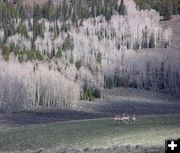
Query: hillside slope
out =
(61, 59)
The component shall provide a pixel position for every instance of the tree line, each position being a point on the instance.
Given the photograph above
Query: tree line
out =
(73, 10)
(166, 8)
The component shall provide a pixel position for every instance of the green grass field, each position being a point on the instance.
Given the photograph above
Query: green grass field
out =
(91, 133)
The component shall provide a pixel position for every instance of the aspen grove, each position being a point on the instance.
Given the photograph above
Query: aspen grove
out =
(49, 61)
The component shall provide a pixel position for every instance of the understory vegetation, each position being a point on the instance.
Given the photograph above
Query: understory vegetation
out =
(90, 93)
(23, 55)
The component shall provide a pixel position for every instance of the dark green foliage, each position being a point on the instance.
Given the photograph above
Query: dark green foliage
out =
(22, 30)
(166, 8)
(142, 4)
(97, 93)
(78, 10)
(78, 64)
(82, 9)
(47, 11)
(90, 93)
(25, 55)
(175, 6)
(37, 12)
(108, 83)
(122, 8)
(8, 31)
(50, 10)
(6, 51)
(59, 53)
(22, 54)
(64, 15)
(133, 84)
(99, 58)
(64, 28)
(52, 54)
(68, 43)
(30, 55)
(22, 9)
(8, 12)
(38, 29)
(120, 81)
(56, 31)
(108, 13)
(178, 8)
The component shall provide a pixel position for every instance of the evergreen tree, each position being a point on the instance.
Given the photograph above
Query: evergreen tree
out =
(50, 10)
(122, 8)
(68, 43)
(78, 64)
(98, 8)
(37, 12)
(167, 9)
(59, 53)
(108, 12)
(44, 12)
(74, 17)
(175, 6)
(21, 9)
(93, 13)
(99, 58)
(152, 41)
(144, 41)
(22, 30)
(64, 10)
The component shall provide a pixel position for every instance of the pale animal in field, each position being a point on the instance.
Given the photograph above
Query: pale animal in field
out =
(121, 118)
(124, 117)
(134, 118)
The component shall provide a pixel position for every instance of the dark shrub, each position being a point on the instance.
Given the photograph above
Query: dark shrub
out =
(97, 93)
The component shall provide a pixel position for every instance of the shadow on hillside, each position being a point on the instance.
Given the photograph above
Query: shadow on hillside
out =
(114, 108)
(24, 118)
(106, 109)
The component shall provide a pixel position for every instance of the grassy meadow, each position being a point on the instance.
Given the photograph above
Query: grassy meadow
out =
(146, 131)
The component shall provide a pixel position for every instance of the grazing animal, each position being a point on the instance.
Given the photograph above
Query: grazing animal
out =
(134, 118)
(119, 118)
(126, 118)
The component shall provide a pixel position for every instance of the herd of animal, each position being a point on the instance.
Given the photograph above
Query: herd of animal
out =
(124, 118)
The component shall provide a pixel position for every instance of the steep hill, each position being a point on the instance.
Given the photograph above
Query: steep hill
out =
(66, 53)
